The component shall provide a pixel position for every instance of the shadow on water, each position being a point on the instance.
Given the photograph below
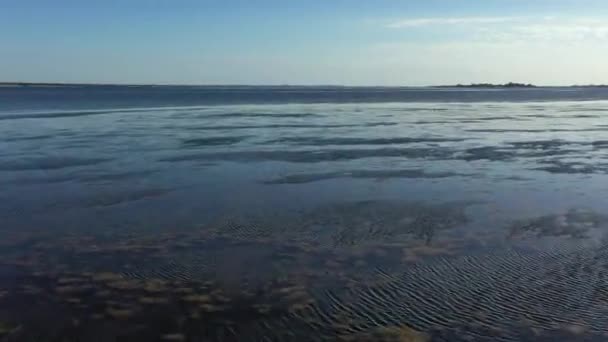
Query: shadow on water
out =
(270, 126)
(317, 141)
(212, 141)
(262, 115)
(373, 174)
(48, 163)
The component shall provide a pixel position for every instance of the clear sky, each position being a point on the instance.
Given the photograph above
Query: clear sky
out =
(351, 42)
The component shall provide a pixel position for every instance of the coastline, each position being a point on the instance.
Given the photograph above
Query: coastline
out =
(288, 86)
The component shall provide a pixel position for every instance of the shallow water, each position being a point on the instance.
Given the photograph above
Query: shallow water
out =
(281, 212)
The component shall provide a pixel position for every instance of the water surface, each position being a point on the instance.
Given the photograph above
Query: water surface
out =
(351, 212)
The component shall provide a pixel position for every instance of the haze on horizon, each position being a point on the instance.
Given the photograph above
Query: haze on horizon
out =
(341, 42)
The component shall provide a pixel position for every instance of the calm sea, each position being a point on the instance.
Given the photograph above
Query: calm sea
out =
(442, 213)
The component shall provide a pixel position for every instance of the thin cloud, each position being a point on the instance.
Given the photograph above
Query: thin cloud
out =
(418, 22)
(542, 28)
(564, 32)
(553, 29)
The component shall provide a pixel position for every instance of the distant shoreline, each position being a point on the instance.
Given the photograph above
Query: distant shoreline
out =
(491, 85)
(228, 86)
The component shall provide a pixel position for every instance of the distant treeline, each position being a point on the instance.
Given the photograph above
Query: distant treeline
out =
(491, 85)
(516, 85)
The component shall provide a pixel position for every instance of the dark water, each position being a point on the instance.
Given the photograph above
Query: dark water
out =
(297, 213)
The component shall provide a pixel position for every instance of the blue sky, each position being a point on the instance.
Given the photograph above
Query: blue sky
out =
(353, 42)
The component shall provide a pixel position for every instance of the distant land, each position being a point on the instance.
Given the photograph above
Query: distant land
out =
(490, 85)
(472, 85)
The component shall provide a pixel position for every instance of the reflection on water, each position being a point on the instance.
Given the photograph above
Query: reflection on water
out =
(356, 221)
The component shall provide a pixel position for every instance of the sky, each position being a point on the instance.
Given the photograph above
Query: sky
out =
(305, 42)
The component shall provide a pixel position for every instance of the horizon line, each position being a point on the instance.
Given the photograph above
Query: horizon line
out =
(480, 84)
